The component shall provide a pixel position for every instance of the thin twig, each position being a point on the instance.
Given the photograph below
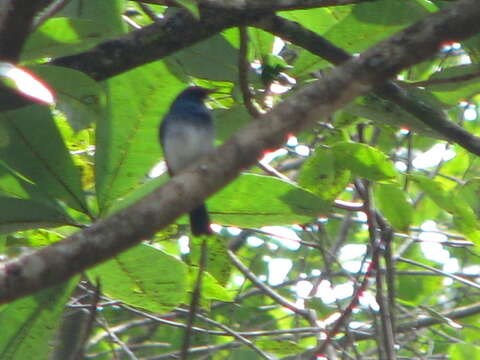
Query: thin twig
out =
(49, 12)
(439, 81)
(234, 334)
(386, 333)
(243, 69)
(195, 300)
(103, 323)
(149, 12)
(443, 273)
(266, 289)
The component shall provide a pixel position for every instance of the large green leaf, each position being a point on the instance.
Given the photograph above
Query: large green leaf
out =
(454, 203)
(80, 97)
(22, 214)
(365, 25)
(64, 36)
(364, 161)
(211, 287)
(24, 206)
(279, 347)
(229, 121)
(276, 202)
(127, 140)
(106, 12)
(144, 277)
(320, 175)
(33, 146)
(218, 264)
(465, 83)
(382, 111)
(255, 200)
(30, 323)
(393, 204)
(464, 351)
(212, 59)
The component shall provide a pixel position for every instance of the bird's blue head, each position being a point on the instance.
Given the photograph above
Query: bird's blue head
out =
(193, 94)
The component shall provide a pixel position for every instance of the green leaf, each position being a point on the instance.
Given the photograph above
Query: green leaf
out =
(416, 290)
(34, 147)
(276, 202)
(144, 277)
(470, 192)
(32, 322)
(261, 42)
(64, 36)
(365, 25)
(127, 144)
(382, 111)
(320, 175)
(218, 264)
(211, 288)
(22, 214)
(109, 13)
(213, 59)
(80, 97)
(229, 121)
(451, 93)
(393, 204)
(279, 348)
(364, 161)
(463, 215)
(464, 351)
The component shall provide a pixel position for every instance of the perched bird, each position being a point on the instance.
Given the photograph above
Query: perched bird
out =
(187, 134)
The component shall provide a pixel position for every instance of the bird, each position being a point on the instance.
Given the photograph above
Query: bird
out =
(186, 134)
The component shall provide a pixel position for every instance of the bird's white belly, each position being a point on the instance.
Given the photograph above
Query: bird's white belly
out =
(185, 144)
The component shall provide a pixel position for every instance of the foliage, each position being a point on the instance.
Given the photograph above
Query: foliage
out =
(66, 166)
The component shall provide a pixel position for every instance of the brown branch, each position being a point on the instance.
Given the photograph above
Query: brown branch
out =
(440, 81)
(161, 39)
(49, 12)
(420, 323)
(153, 42)
(260, 5)
(195, 301)
(268, 291)
(106, 238)
(243, 70)
(433, 118)
(440, 272)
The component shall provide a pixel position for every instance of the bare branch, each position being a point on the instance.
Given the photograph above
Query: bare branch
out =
(261, 5)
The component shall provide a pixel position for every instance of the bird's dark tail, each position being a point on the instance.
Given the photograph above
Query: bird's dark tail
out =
(200, 221)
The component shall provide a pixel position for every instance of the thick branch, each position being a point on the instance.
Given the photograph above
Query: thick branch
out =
(433, 118)
(152, 42)
(161, 39)
(56, 263)
(262, 5)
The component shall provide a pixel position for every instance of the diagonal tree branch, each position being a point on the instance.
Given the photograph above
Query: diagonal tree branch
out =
(432, 117)
(161, 39)
(261, 5)
(106, 238)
